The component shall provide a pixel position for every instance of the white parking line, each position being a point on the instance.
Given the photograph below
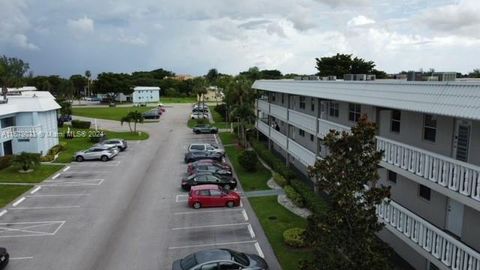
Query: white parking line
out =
(259, 250)
(55, 176)
(66, 169)
(21, 258)
(215, 244)
(216, 139)
(3, 212)
(29, 228)
(250, 229)
(36, 189)
(244, 213)
(73, 183)
(44, 207)
(241, 203)
(55, 195)
(18, 202)
(210, 226)
(181, 198)
(206, 211)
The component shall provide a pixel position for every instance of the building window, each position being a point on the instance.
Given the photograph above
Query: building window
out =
(301, 132)
(23, 140)
(273, 96)
(429, 127)
(283, 98)
(302, 103)
(354, 112)
(333, 109)
(312, 137)
(392, 176)
(432, 266)
(312, 105)
(424, 192)
(395, 123)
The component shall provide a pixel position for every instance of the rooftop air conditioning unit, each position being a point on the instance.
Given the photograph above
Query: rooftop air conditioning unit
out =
(313, 78)
(348, 77)
(360, 77)
(371, 77)
(332, 78)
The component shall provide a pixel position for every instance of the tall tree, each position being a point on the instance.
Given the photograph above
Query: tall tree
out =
(88, 74)
(212, 76)
(79, 83)
(252, 74)
(12, 71)
(475, 73)
(113, 83)
(200, 89)
(240, 99)
(344, 237)
(341, 64)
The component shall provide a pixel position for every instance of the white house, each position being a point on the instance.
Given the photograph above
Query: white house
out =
(28, 122)
(144, 94)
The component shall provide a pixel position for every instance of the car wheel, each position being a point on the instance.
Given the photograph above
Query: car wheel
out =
(104, 158)
(197, 205)
(79, 158)
(230, 204)
(197, 131)
(227, 187)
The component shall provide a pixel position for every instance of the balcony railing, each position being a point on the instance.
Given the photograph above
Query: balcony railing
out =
(279, 138)
(305, 156)
(324, 127)
(447, 250)
(12, 132)
(264, 106)
(279, 112)
(303, 121)
(453, 174)
(264, 128)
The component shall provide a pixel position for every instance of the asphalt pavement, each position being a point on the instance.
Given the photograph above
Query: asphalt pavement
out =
(128, 213)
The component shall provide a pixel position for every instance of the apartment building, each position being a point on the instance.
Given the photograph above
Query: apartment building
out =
(28, 122)
(430, 133)
(144, 94)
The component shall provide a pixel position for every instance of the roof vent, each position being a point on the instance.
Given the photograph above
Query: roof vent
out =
(359, 77)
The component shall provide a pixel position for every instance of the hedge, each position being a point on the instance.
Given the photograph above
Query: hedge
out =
(312, 200)
(294, 237)
(294, 196)
(279, 179)
(5, 162)
(81, 124)
(273, 161)
(248, 160)
(55, 150)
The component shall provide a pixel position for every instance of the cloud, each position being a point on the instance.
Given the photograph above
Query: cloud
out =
(22, 41)
(81, 26)
(138, 40)
(337, 3)
(255, 24)
(14, 25)
(360, 21)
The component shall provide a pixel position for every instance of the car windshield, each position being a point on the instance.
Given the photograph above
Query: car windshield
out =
(240, 257)
(188, 262)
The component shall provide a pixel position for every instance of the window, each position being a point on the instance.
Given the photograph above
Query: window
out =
(301, 132)
(283, 98)
(215, 192)
(311, 137)
(204, 193)
(197, 147)
(23, 140)
(302, 103)
(395, 123)
(429, 127)
(392, 176)
(212, 179)
(273, 96)
(424, 192)
(333, 109)
(210, 266)
(354, 112)
(312, 105)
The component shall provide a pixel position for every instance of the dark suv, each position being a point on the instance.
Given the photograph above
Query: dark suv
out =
(199, 155)
(4, 257)
(227, 182)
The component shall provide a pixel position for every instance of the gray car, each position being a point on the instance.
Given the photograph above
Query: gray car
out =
(119, 143)
(102, 153)
(205, 129)
(220, 259)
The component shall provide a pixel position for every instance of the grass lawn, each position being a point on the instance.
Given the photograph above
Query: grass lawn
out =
(275, 219)
(110, 113)
(218, 119)
(82, 141)
(11, 175)
(9, 193)
(228, 138)
(193, 122)
(250, 180)
(166, 100)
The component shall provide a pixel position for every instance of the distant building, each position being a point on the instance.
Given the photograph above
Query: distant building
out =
(213, 94)
(28, 122)
(144, 94)
(181, 77)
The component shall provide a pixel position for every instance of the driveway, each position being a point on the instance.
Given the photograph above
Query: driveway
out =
(128, 213)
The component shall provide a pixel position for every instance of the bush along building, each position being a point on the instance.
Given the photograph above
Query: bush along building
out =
(430, 134)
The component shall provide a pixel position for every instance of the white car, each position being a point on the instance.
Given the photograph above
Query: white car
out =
(97, 152)
(198, 115)
(205, 147)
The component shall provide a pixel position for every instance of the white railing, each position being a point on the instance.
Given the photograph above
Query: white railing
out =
(263, 105)
(448, 250)
(279, 138)
(453, 174)
(301, 153)
(324, 127)
(12, 132)
(264, 128)
(279, 112)
(303, 121)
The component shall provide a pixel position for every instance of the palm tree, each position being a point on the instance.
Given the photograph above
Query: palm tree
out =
(26, 161)
(135, 117)
(200, 89)
(88, 74)
(240, 98)
(128, 120)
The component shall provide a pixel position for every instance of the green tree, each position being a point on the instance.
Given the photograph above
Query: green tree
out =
(344, 236)
(212, 76)
(26, 161)
(200, 89)
(12, 71)
(65, 107)
(475, 73)
(240, 99)
(88, 74)
(341, 64)
(135, 117)
(79, 83)
(66, 90)
(113, 83)
(252, 74)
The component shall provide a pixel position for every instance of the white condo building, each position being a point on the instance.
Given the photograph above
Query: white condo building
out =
(145, 94)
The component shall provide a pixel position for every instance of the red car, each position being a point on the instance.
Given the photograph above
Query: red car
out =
(212, 196)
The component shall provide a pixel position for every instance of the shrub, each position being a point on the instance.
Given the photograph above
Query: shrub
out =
(81, 124)
(47, 158)
(312, 200)
(294, 196)
(273, 161)
(26, 161)
(55, 149)
(294, 237)
(221, 109)
(279, 179)
(5, 162)
(248, 160)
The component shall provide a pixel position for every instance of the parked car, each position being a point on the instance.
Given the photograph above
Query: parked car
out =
(4, 257)
(198, 115)
(210, 169)
(151, 115)
(102, 153)
(140, 104)
(203, 110)
(218, 259)
(200, 155)
(205, 128)
(119, 143)
(212, 196)
(227, 182)
(195, 147)
(220, 165)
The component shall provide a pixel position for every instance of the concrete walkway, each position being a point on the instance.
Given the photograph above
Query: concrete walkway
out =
(263, 193)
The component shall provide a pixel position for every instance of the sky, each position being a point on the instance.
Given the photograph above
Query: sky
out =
(67, 37)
